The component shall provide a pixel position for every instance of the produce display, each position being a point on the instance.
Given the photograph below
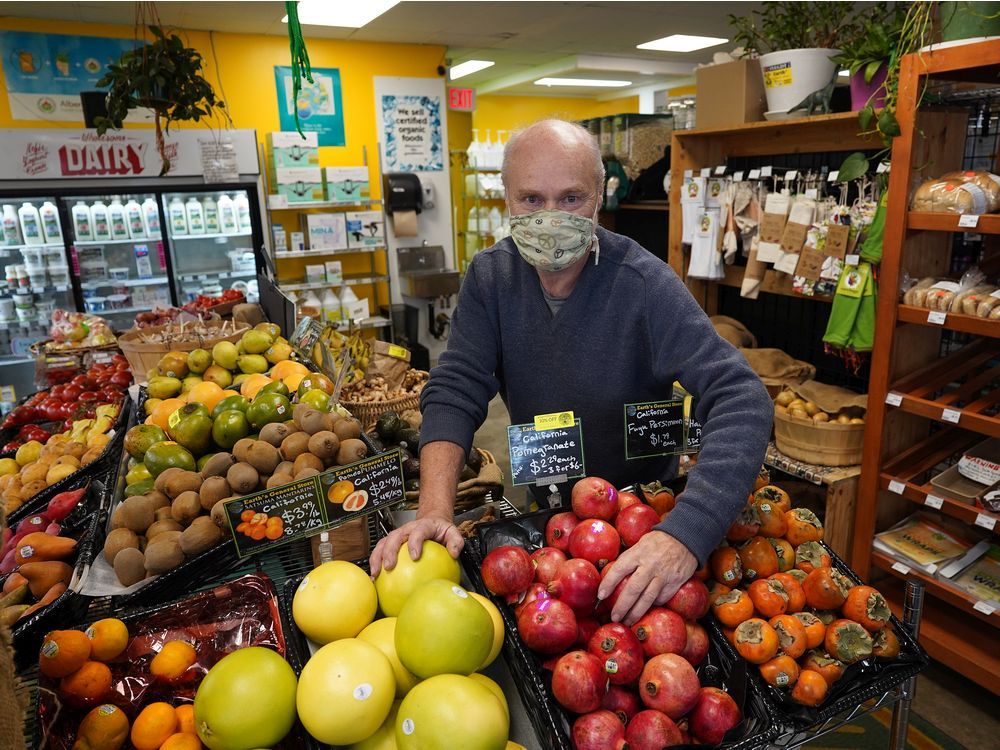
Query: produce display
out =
(201, 303)
(788, 403)
(176, 333)
(74, 330)
(158, 316)
(353, 348)
(377, 389)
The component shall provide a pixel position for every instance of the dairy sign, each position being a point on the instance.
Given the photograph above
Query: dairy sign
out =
(59, 154)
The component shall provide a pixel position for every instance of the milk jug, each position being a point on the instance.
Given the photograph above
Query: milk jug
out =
(11, 227)
(177, 217)
(242, 206)
(227, 215)
(133, 214)
(211, 210)
(116, 216)
(195, 216)
(99, 222)
(83, 230)
(51, 228)
(31, 224)
(151, 218)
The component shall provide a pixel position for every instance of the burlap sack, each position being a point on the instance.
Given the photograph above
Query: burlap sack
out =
(830, 398)
(774, 367)
(13, 695)
(733, 331)
(389, 361)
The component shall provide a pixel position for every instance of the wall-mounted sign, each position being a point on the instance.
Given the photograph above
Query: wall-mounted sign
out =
(320, 104)
(462, 100)
(413, 136)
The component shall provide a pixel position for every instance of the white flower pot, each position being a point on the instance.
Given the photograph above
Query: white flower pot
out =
(791, 75)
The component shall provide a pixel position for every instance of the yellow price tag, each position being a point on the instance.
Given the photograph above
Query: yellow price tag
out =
(554, 420)
(778, 75)
(174, 418)
(398, 351)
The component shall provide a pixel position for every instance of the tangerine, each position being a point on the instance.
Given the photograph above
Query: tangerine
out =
(63, 652)
(206, 393)
(163, 411)
(182, 741)
(155, 724)
(89, 684)
(185, 718)
(104, 728)
(108, 638)
(174, 659)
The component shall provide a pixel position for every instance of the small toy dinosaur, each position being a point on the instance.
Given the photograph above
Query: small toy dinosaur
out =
(819, 99)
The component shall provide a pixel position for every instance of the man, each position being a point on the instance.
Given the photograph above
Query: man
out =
(562, 317)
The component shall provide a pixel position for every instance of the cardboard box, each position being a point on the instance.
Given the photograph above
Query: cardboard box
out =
(298, 243)
(327, 231)
(300, 184)
(280, 238)
(348, 184)
(365, 229)
(286, 149)
(730, 94)
(334, 272)
(355, 310)
(315, 274)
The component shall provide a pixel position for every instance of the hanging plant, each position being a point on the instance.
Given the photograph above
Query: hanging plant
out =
(165, 77)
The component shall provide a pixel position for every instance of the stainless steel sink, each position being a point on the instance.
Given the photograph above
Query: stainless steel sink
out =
(422, 272)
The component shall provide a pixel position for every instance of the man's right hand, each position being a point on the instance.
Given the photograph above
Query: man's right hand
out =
(413, 533)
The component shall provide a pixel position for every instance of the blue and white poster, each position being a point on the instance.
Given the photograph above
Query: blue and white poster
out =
(319, 104)
(45, 73)
(412, 126)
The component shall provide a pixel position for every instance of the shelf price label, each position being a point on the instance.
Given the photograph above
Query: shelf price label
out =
(277, 201)
(706, 172)
(987, 522)
(894, 399)
(832, 177)
(951, 415)
(901, 568)
(896, 487)
(968, 221)
(543, 457)
(985, 607)
(738, 177)
(720, 170)
(933, 501)
(766, 171)
(791, 174)
(937, 317)
(754, 174)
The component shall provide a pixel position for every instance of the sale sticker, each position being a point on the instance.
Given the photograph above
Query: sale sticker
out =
(556, 419)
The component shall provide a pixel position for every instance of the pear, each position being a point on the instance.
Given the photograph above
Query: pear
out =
(225, 353)
(218, 375)
(272, 329)
(190, 382)
(278, 352)
(199, 361)
(162, 387)
(256, 342)
(173, 364)
(251, 363)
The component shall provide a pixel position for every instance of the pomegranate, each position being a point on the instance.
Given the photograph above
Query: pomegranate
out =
(534, 591)
(682, 725)
(620, 652)
(576, 584)
(508, 570)
(697, 644)
(547, 626)
(635, 521)
(713, 715)
(594, 498)
(623, 702)
(550, 663)
(579, 682)
(586, 626)
(661, 631)
(669, 684)
(595, 540)
(558, 529)
(691, 600)
(599, 730)
(651, 730)
(605, 606)
(546, 561)
(627, 500)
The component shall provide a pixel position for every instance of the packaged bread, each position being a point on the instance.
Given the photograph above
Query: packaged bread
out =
(988, 304)
(994, 314)
(941, 295)
(951, 196)
(917, 294)
(987, 182)
(968, 300)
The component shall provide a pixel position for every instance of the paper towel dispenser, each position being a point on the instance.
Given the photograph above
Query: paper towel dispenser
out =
(402, 192)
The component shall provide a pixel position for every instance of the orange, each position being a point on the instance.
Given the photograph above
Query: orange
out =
(163, 411)
(287, 367)
(104, 728)
(185, 718)
(293, 381)
(182, 741)
(252, 384)
(108, 638)
(340, 490)
(153, 726)
(63, 652)
(206, 393)
(89, 684)
(173, 660)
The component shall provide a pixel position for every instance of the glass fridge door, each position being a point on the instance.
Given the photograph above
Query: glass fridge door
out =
(118, 254)
(211, 242)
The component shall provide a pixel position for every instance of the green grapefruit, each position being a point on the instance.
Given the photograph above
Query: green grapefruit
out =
(395, 586)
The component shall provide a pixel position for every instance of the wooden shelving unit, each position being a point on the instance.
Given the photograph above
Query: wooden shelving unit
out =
(924, 409)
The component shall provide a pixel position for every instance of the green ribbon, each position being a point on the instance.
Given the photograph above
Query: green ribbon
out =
(300, 57)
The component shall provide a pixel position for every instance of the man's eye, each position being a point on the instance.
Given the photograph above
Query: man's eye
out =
(572, 199)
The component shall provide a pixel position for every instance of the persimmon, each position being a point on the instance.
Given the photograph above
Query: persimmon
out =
(730, 634)
(763, 478)
(803, 526)
(798, 575)
(811, 555)
(825, 616)
(756, 640)
(733, 608)
(727, 568)
(781, 671)
(768, 597)
(810, 689)
(703, 573)
(746, 526)
(717, 589)
(758, 558)
(823, 664)
(814, 627)
(775, 495)
(784, 552)
(867, 606)
(885, 644)
(826, 589)
(792, 638)
(796, 595)
(772, 518)
(847, 641)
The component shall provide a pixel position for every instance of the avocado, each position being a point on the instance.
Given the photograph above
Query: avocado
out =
(411, 437)
(388, 426)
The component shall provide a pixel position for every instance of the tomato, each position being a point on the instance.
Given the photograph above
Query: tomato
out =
(121, 378)
(868, 607)
(792, 638)
(756, 640)
(759, 559)
(80, 380)
(71, 392)
(768, 597)
(810, 689)
(830, 669)
(796, 596)
(87, 397)
(803, 526)
(781, 671)
(826, 589)
(58, 391)
(726, 566)
(733, 608)
(13, 445)
(847, 641)
(815, 628)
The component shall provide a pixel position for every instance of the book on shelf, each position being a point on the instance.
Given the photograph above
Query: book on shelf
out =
(919, 541)
(981, 579)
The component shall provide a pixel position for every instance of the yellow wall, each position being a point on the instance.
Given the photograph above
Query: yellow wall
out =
(499, 112)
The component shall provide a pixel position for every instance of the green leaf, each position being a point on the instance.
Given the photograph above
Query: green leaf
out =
(872, 69)
(854, 166)
(887, 123)
(865, 117)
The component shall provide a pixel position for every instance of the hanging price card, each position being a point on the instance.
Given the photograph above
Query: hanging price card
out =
(951, 415)
(766, 171)
(549, 456)
(720, 170)
(738, 177)
(754, 174)
(654, 428)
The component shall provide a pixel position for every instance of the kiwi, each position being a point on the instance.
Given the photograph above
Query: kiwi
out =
(242, 447)
(274, 433)
(307, 472)
(159, 527)
(262, 482)
(201, 535)
(186, 481)
(307, 461)
(316, 421)
(290, 424)
(163, 514)
(299, 413)
(166, 555)
(285, 467)
(242, 478)
(164, 477)
(263, 456)
(218, 514)
(347, 428)
(118, 518)
(294, 445)
(218, 465)
(324, 445)
(164, 537)
(277, 479)
(130, 566)
(351, 450)
(186, 507)
(137, 513)
(118, 540)
(160, 500)
(212, 491)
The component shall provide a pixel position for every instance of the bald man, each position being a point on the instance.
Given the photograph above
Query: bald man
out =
(565, 316)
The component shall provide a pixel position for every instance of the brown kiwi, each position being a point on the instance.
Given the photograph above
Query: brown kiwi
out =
(274, 433)
(294, 445)
(299, 412)
(212, 491)
(290, 424)
(137, 513)
(186, 481)
(277, 479)
(351, 450)
(307, 472)
(118, 518)
(285, 467)
(201, 535)
(347, 428)
(163, 514)
(118, 540)
(241, 448)
(166, 555)
(324, 445)
(130, 566)
(242, 478)
(186, 507)
(160, 500)
(218, 465)
(219, 515)
(163, 537)
(316, 421)
(159, 527)
(164, 476)
(263, 456)
(307, 461)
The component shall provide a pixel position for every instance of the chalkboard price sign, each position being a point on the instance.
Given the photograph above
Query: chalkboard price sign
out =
(692, 428)
(654, 428)
(360, 488)
(548, 456)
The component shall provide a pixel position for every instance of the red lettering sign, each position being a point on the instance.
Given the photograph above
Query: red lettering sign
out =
(102, 159)
(462, 100)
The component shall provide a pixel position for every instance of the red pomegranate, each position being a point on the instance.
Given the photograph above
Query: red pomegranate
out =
(691, 600)
(547, 561)
(668, 683)
(586, 626)
(697, 644)
(547, 626)
(595, 540)
(713, 715)
(533, 592)
(599, 730)
(605, 606)
(623, 702)
(579, 682)
(508, 570)
(576, 584)
(661, 631)
(619, 651)
(627, 500)
(558, 529)
(594, 498)
(651, 730)
(635, 521)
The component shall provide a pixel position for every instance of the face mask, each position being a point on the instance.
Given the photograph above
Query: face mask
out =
(552, 240)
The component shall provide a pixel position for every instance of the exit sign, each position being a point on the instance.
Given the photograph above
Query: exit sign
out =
(462, 100)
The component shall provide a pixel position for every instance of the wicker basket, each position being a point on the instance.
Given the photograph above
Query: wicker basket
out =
(823, 443)
(368, 412)
(143, 356)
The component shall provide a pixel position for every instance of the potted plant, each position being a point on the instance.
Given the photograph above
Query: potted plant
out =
(869, 52)
(164, 76)
(797, 42)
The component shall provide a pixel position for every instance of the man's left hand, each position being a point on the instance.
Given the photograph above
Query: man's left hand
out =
(658, 564)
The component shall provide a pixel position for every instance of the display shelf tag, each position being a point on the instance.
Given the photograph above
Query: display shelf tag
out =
(968, 221)
(706, 172)
(937, 317)
(951, 415)
(933, 501)
(985, 607)
(738, 177)
(720, 170)
(852, 260)
(545, 457)
(277, 201)
(901, 568)
(654, 428)
(893, 399)
(791, 174)
(896, 487)
(689, 173)
(832, 177)
(754, 174)
(985, 521)
(766, 171)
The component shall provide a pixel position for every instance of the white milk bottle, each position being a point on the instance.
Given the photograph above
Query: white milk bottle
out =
(151, 218)
(227, 215)
(211, 209)
(133, 214)
(119, 224)
(195, 216)
(83, 230)
(177, 217)
(31, 224)
(99, 222)
(11, 226)
(242, 206)
(51, 227)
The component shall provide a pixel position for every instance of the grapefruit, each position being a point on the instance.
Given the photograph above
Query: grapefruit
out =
(451, 711)
(494, 688)
(395, 586)
(497, 628)
(382, 634)
(384, 737)
(336, 600)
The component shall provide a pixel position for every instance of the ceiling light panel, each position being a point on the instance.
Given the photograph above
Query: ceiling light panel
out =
(592, 82)
(351, 14)
(682, 43)
(468, 68)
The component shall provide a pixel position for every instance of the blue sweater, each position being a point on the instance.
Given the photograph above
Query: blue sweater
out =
(629, 329)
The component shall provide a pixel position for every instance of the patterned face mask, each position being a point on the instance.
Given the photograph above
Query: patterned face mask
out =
(552, 240)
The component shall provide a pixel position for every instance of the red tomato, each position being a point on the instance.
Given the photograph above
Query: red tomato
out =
(71, 392)
(58, 391)
(87, 397)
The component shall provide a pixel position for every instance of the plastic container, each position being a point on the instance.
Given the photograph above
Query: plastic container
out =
(177, 217)
(117, 301)
(24, 306)
(119, 273)
(23, 282)
(83, 229)
(34, 259)
(11, 226)
(242, 261)
(793, 74)
(100, 222)
(211, 211)
(151, 218)
(242, 205)
(228, 221)
(97, 304)
(11, 273)
(37, 278)
(133, 215)
(59, 275)
(31, 224)
(7, 308)
(212, 290)
(51, 226)
(45, 307)
(119, 224)
(195, 216)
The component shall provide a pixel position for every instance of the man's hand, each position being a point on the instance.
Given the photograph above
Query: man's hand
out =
(436, 528)
(659, 565)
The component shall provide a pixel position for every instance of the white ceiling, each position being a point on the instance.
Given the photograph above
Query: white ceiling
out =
(527, 40)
